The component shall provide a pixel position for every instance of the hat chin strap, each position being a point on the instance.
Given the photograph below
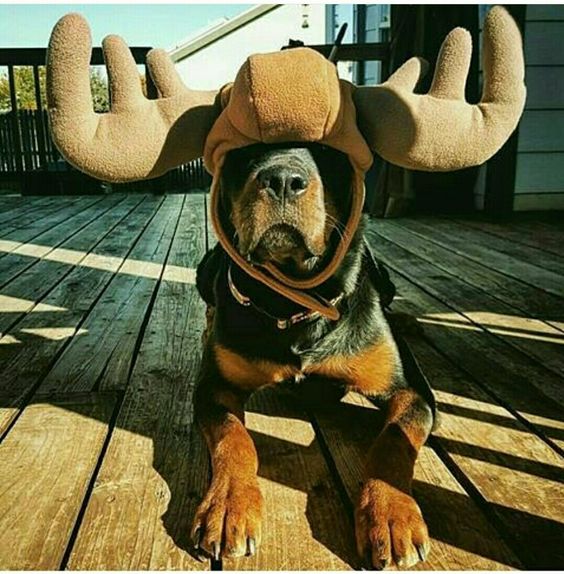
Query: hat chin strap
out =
(271, 276)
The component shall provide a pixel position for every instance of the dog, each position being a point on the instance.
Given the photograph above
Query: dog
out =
(286, 204)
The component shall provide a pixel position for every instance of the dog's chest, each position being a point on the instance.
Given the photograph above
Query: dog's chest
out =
(370, 369)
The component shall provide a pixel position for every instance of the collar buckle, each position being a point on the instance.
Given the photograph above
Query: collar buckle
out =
(282, 324)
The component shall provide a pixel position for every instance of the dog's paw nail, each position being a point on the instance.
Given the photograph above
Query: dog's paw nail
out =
(380, 563)
(216, 550)
(251, 547)
(423, 551)
(197, 537)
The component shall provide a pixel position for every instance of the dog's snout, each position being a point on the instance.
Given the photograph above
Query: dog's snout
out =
(282, 182)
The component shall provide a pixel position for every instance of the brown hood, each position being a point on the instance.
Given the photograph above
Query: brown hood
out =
(289, 96)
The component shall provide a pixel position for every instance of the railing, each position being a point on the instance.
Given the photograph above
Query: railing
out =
(371, 51)
(30, 161)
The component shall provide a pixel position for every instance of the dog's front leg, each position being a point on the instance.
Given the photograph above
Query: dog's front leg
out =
(228, 521)
(389, 525)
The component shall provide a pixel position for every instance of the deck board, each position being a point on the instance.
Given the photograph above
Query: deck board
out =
(23, 206)
(531, 301)
(63, 227)
(103, 359)
(443, 318)
(100, 345)
(155, 469)
(534, 234)
(539, 339)
(51, 268)
(528, 265)
(518, 474)
(487, 361)
(47, 462)
(25, 365)
(38, 215)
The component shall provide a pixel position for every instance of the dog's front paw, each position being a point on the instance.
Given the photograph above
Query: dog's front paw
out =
(389, 527)
(228, 521)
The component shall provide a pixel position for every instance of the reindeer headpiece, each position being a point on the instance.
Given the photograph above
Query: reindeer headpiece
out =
(293, 95)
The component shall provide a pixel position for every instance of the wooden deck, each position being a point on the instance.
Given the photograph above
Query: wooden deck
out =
(100, 326)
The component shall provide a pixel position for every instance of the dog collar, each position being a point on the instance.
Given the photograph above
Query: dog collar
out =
(280, 323)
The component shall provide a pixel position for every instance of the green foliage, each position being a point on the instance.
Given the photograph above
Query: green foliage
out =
(99, 89)
(25, 89)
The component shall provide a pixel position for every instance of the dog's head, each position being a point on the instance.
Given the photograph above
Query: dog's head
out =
(286, 203)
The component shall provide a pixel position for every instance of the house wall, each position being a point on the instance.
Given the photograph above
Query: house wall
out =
(218, 63)
(540, 159)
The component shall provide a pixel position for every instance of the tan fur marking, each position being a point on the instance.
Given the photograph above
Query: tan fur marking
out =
(370, 371)
(248, 374)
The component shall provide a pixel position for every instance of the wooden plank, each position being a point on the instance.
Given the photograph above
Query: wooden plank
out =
(8, 202)
(461, 537)
(498, 255)
(539, 340)
(517, 473)
(47, 462)
(532, 233)
(27, 254)
(527, 299)
(540, 172)
(103, 358)
(307, 526)
(541, 130)
(498, 368)
(156, 467)
(528, 265)
(22, 294)
(40, 222)
(27, 354)
(495, 252)
(25, 205)
(31, 216)
(458, 297)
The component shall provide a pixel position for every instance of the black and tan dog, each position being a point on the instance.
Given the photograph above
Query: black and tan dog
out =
(286, 204)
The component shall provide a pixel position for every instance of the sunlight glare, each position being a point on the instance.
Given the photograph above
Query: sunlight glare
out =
(17, 305)
(55, 333)
(135, 267)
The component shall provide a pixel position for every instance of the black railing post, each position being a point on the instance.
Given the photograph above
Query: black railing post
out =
(15, 120)
(39, 116)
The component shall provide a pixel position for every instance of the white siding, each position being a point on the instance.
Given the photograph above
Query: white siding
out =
(218, 63)
(540, 160)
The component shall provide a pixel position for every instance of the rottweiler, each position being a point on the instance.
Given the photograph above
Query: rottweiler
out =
(286, 204)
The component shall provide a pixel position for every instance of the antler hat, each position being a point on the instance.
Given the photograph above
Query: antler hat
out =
(289, 96)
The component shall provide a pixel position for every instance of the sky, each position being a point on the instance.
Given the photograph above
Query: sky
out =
(153, 25)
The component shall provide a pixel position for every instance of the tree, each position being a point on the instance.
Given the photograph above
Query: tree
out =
(99, 89)
(25, 89)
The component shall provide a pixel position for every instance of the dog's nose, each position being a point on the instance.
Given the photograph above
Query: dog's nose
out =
(282, 182)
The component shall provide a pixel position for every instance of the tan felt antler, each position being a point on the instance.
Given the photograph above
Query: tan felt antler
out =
(139, 138)
(440, 131)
